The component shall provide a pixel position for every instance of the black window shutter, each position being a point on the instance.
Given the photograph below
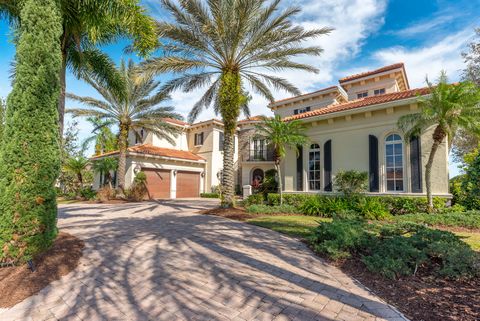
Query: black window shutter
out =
(373, 163)
(327, 166)
(300, 169)
(416, 164)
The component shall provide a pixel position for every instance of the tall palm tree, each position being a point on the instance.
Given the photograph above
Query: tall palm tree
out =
(88, 24)
(225, 45)
(77, 166)
(448, 108)
(281, 136)
(132, 109)
(103, 137)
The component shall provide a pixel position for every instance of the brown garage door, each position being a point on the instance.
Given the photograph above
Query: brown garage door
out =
(158, 183)
(188, 184)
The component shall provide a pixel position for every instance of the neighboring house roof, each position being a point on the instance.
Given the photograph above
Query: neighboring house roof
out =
(251, 119)
(364, 102)
(148, 149)
(176, 121)
(281, 102)
(372, 72)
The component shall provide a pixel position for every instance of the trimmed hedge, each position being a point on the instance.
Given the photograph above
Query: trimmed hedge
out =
(395, 250)
(470, 219)
(209, 195)
(369, 206)
(277, 209)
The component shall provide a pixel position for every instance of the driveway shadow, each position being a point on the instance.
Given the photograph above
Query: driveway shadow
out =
(162, 261)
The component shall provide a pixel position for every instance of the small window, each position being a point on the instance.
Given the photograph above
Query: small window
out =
(301, 110)
(139, 136)
(362, 95)
(198, 139)
(220, 141)
(314, 167)
(380, 91)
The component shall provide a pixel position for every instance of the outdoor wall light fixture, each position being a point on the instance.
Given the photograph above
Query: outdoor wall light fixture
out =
(202, 174)
(174, 172)
(137, 169)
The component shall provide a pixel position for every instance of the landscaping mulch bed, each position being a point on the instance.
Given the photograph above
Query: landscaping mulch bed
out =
(19, 282)
(422, 298)
(236, 213)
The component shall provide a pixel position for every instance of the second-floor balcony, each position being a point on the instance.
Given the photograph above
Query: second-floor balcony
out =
(254, 155)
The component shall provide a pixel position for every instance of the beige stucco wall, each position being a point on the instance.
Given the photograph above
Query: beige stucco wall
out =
(390, 85)
(350, 150)
(210, 151)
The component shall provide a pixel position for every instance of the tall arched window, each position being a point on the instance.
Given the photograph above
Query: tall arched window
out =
(394, 163)
(314, 167)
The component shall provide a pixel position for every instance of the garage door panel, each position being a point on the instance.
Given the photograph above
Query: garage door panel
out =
(188, 184)
(158, 183)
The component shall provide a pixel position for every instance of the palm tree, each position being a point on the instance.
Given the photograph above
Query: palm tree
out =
(105, 166)
(135, 108)
(105, 140)
(3, 112)
(281, 136)
(88, 24)
(448, 108)
(77, 166)
(224, 45)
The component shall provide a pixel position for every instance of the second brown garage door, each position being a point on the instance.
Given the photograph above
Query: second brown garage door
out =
(158, 183)
(188, 184)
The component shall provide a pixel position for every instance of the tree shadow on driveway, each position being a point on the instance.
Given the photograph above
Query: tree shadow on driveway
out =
(163, 261)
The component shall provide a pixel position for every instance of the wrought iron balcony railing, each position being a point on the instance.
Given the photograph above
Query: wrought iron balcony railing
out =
(259, 156)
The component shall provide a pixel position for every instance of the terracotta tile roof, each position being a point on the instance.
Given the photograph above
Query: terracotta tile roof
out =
(253, 118)
(364, 102)
(175, 121)
(158, 151)
(373, 72)
(306, 94)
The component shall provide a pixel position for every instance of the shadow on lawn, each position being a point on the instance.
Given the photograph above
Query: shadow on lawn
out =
(143, 265)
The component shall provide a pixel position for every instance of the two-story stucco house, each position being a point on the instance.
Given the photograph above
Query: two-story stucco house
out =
(352, 125)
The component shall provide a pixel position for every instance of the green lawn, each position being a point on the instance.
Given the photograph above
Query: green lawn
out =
(298, 225)
(302, 226)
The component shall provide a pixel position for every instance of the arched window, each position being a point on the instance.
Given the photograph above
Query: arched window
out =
(314, 167)
(394, 163)
(257, 177)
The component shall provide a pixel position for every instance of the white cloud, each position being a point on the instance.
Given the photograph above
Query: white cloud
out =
(428, 25)
(429, 59)
(353, 21)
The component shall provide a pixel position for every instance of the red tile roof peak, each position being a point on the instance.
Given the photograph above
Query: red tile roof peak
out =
(371, 72)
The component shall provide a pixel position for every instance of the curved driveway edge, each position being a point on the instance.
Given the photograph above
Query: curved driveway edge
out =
(164, 261)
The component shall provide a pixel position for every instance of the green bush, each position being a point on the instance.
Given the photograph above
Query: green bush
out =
(291, 199)
(277, 209)
(339, 238)
(209, 195)
(351, 182)
(329, 204)
(470, 219)
(395, 250)
(471, 185)
(253, 199)
(87, 193)
(138, 191)
(372, 208)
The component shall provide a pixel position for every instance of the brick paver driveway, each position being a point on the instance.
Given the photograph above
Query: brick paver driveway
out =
(164, 261)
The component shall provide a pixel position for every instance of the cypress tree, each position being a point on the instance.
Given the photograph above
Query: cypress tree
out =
(29, 158)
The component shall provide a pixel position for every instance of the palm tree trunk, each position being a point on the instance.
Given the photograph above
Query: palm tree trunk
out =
(122, 155)
(438, 137)
(280, 186)
(230, 99)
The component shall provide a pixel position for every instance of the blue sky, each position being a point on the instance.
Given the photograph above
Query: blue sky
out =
(427, 35)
